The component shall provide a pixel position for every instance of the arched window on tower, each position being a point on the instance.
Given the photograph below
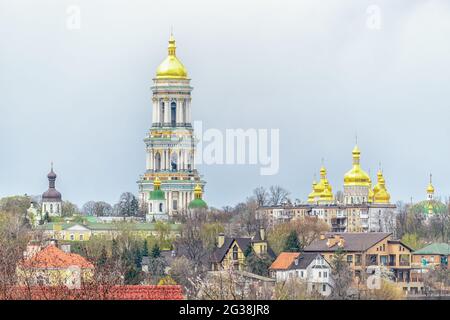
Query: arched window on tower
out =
(160, 207)
(150, 207)
(174, 161)
(173, 114)
(184, 112)
(51, 208)
(161, 116)
(158, 161)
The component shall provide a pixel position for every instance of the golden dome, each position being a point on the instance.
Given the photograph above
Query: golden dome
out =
(323, 188)
(382, 195)
(171, 67)
(313, 194)
(356, 176)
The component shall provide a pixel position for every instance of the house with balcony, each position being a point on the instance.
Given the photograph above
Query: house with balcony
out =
(310, 268)
(365, 252)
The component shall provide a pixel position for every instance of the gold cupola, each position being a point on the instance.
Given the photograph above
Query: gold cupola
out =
(356, 176)
(382, 195)
(430, 188)
(323, 188)
(313, 194)
(171, 67)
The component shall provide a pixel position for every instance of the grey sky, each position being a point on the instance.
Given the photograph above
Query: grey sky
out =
(311, 68)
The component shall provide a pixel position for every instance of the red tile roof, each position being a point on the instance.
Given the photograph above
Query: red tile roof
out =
(53, 257)
(284, 260)
(137, 292)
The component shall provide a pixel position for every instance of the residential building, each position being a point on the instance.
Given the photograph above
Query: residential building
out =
(230, 251)
(365, 252)
(52, 266)
(435, 254)
(308, 267)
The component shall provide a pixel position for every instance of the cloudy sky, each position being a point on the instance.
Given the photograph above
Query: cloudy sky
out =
(320, 71)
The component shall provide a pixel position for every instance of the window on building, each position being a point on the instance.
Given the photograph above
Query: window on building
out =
(357, 259)
(350, 259)
(324, 288)
(150, 207)
(320, 274)
(51, 208)
(301, 273)
(175, 205)
(81, 237)
(72, 237)
(235, 252)
(173, 114)
(160, 207)
(158, 161)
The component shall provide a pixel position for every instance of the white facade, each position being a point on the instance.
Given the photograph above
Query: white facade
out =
(156, 211)
(317, 275)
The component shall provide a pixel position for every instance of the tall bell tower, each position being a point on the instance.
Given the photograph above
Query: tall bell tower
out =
(170, 143)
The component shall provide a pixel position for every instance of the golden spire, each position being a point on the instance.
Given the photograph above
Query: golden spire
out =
(198, 192)
(356, 176)
(171, 67)
(381, 195)
(430, 188)
(313, 194)
(156, 184)
(323, 189)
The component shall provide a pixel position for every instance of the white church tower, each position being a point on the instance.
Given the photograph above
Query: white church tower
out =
(51, 199)
(170, 143)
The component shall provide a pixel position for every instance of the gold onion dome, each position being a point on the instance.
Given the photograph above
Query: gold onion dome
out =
(356, 176)
(198, 202)
(323, 188)
(313, 194)
(382, 195)
(171, 67)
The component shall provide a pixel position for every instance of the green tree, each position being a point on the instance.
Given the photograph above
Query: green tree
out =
(103, 258)
(145, 249)
(255, 263)
(292, 244)
(115, 254)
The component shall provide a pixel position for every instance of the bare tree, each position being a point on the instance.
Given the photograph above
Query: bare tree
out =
(278, 195)
(261, 195)
(88, 208)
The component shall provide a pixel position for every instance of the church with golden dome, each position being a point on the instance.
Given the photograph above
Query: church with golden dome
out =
(170, 143)
(360, 207)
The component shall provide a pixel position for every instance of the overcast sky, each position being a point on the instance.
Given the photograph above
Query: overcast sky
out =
(317, 70)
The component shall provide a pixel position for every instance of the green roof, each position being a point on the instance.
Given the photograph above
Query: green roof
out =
(197, 204)
(138, 226)
(157, 195)
(435, 248)
(422, 207)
